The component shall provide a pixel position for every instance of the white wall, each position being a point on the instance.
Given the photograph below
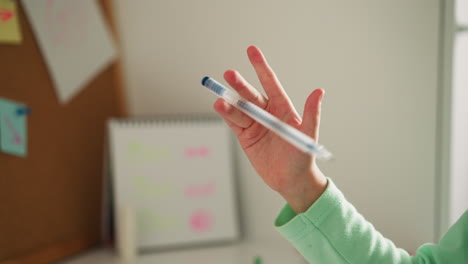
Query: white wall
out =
(458, 201)
(377, 61)
(461, 12)
(459, 161)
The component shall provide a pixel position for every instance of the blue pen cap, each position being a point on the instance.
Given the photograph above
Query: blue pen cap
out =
(203, 81)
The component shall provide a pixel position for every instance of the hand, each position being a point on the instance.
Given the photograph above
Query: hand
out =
(287, 170)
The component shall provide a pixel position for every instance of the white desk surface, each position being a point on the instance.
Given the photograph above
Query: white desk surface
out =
(278, 252)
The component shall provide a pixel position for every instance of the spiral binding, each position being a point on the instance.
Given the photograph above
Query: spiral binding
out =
(167, 120)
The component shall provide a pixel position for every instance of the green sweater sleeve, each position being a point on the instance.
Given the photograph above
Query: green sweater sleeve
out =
(332, 231)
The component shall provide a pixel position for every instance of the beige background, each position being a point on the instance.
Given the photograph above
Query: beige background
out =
(377, 61)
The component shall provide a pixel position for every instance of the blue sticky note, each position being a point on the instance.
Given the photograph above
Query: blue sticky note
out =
(13, 127)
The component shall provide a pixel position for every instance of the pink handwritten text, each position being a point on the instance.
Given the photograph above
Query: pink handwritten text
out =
(201, 221)
(16, 136)
(65, 22)
(197, 152)
(6, 15)
(200, 190)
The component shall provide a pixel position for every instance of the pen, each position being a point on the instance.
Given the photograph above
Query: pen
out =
(285, 131)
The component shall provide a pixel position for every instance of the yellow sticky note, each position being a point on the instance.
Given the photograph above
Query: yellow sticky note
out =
(9, 27)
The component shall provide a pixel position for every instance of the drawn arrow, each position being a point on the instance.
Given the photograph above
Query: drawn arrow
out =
(16, 136)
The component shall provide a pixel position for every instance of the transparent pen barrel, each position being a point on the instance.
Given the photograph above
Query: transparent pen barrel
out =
(289, 133)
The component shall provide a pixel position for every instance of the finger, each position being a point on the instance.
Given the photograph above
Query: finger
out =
(235, 129)
(266, 75)
(245, 89)
(232, 114)
(311, 118)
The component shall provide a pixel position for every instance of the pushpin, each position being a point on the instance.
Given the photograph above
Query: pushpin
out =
(23, 111)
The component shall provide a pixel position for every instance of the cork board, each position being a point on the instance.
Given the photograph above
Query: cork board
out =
(50, 201)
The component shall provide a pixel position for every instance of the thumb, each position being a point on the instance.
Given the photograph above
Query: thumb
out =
(311, 118)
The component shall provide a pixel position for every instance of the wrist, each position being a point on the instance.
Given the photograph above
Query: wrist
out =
(306, 191)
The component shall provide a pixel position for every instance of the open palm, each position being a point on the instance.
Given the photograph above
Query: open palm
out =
(284, 168)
